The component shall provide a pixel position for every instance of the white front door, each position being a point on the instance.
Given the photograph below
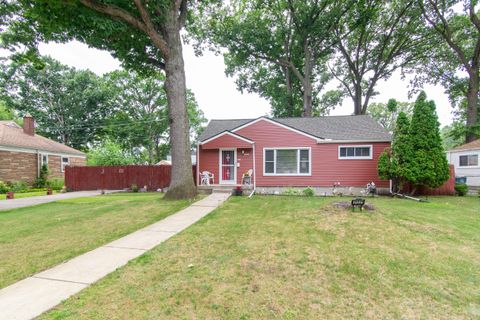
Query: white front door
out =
(228, 168)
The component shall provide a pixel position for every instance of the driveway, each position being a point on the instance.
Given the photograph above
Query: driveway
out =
(32, 201)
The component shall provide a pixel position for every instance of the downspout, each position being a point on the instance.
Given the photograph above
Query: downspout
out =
(38, 164)
(198, 165)
(254, 173)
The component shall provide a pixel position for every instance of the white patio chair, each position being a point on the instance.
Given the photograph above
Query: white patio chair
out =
(247, 177)
(206, 177)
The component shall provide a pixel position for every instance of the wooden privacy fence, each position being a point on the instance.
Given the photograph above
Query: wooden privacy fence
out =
(118, 177)
(447, 189)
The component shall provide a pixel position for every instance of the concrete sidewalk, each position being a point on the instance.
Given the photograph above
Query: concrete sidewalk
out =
(33, 201)
(32, 296)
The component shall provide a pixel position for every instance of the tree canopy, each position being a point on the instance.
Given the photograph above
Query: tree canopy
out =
(139, 118)
(69, 105)
(454, 58)
(144, 36)
(386, 114)
(276, 48)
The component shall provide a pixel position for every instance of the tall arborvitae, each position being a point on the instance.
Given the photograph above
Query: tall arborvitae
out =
(392, 163)
(425, 163)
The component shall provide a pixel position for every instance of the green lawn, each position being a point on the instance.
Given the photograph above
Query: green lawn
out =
(26, 194)
(35, 238)
(299, 258)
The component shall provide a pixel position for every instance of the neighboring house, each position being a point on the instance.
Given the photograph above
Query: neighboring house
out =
(465, 159)
(22, 153)
(294, 152)
(164, 163)
(193, 158)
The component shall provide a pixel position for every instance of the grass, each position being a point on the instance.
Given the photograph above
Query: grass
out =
(288, 257)
(298, 258)
(26, 194)
(36, 238)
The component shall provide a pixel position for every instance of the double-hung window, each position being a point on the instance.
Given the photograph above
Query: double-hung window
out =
(470, 160)
(355, 152)
(44, 159)
(65, 162)
(287, 161)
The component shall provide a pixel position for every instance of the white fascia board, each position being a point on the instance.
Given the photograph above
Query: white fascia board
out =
(226, 133)
(26, 150)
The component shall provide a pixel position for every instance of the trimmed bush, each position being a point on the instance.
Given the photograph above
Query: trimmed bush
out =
(461, 189)
(56, 184)
(18, 186)
(41, 181)
(134, 188)
(4, 187)
(292, 192)
(308, 192)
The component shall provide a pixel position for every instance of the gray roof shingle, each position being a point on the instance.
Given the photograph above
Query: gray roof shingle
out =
(358, 128)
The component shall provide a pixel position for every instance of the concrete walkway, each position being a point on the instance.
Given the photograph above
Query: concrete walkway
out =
(32, 201)
(32, 296)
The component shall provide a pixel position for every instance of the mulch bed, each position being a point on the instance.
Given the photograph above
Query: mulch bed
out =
(348, 205)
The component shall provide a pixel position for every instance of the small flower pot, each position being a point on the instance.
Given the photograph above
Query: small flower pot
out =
(49, 191)
(237, 191)
(10, 195)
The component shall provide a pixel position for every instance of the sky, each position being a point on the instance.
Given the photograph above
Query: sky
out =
(217, 94)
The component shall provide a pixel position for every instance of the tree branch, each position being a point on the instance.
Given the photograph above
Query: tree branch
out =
(125, 16)
(446, 33)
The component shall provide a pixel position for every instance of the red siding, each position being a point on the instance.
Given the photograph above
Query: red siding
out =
(209, 161)
(226, 141)
(326, 167)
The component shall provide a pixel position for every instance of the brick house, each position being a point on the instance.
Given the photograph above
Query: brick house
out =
(22, 153)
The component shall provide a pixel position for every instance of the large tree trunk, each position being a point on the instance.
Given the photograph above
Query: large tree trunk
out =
(181, 185)
(307, 83)
(357, 100)
(472, 106)
(288, 83)
(307, 98)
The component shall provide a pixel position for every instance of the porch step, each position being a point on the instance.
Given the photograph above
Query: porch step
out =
(222, 190)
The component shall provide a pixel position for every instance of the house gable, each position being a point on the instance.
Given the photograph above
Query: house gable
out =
(267, 120)
(226, 139)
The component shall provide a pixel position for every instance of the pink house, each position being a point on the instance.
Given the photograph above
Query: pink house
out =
(293, 152)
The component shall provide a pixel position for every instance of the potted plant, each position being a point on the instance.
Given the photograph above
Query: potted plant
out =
(238, 191)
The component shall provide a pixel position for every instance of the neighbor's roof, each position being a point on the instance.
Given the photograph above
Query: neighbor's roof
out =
(12, 135)
(353, 128)
(474, 145)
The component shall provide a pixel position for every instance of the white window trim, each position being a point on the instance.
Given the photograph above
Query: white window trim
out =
(298, 162)
(62, 166)
(356, 146)
(467, 166)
